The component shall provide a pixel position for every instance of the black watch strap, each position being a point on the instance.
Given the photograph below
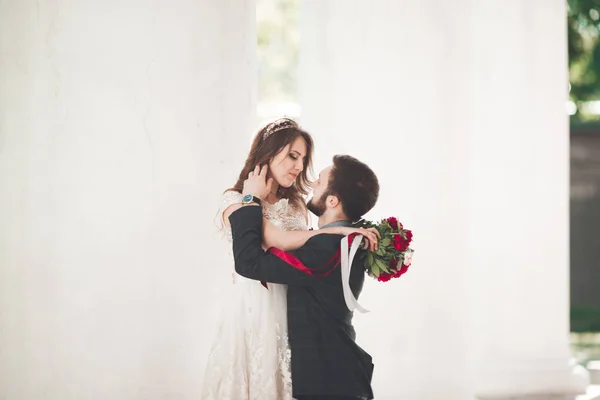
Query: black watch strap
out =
(247, 199)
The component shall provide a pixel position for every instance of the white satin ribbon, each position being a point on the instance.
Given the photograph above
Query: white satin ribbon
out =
(346, 265)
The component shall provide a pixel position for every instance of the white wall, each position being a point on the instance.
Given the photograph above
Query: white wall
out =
(120, 125)
(449, 103)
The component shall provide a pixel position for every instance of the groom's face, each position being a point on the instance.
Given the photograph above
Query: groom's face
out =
(320, 187)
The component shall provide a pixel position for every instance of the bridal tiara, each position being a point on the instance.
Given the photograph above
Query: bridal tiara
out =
(278, 125)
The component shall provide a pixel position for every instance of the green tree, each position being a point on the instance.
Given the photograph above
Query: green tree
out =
(278, 41)
(583, 24)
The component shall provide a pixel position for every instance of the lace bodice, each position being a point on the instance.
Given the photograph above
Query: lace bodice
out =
(281, 214)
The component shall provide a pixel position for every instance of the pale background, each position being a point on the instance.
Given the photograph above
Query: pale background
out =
(121, 123)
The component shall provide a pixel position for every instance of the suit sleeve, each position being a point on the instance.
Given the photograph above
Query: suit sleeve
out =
(254, 263)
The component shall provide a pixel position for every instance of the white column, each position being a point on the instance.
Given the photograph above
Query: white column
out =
(121, 123)
(427, 93)
(519, 201)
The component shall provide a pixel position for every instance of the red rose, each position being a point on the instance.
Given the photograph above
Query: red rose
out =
(393, 223)
(401, 271)
(408, 236)
(397, 242)
(401, 243)
(383, 277)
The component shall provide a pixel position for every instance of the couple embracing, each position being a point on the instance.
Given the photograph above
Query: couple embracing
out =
(290, 334)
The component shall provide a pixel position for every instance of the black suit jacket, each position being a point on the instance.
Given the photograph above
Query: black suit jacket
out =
(325, 358)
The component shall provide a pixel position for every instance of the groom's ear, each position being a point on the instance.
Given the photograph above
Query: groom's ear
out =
(332, 201)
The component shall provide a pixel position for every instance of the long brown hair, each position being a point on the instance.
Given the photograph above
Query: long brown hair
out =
(267, 143)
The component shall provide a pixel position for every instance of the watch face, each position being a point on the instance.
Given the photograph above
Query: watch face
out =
(247, 198)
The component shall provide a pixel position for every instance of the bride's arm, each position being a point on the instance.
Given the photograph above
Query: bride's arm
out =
(273, 237)
(293, 240)
(285, 240)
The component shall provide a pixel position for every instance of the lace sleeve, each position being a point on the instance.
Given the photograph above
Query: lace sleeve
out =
(229, 197)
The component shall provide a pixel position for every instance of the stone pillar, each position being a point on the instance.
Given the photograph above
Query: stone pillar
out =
(121, 123)
(519, 202)
(460, 109)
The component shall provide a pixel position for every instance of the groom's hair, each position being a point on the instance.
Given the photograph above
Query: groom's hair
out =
(354, 184)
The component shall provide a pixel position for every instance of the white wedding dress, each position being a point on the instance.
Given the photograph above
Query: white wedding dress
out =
(250, 357)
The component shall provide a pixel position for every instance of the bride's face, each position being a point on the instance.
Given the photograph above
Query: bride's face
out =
(285, 167)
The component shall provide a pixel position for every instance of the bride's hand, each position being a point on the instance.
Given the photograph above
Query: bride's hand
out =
(257, 183)
(371, 235)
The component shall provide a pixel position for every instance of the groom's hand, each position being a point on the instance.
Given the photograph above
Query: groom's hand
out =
(257, 183)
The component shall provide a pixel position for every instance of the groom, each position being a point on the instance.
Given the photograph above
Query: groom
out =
(326, 361)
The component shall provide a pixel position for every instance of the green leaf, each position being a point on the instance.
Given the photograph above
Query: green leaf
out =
(375, 271)
(381, 265)
(370, 260)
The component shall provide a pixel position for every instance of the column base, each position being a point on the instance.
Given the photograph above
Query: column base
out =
(532, 381)
(594, 369)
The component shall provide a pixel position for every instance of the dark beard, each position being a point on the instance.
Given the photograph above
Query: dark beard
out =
(317, 207)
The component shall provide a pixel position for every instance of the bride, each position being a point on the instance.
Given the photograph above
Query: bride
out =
(250, 356)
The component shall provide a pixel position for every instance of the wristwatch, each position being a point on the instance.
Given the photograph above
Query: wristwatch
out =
(247, 199)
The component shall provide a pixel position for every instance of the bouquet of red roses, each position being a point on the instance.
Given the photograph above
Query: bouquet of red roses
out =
(394, 255)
